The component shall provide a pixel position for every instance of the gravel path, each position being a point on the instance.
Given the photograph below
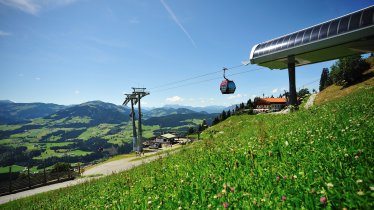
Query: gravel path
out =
(104, 169)
(310, 101)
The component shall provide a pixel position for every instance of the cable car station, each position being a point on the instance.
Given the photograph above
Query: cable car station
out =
(343, 36)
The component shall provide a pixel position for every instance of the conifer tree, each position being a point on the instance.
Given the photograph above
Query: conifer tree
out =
(324, 79)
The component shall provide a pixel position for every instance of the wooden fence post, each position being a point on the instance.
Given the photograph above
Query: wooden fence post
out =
(10, 179)
(79, 169)
(45, 177)
(28, 176)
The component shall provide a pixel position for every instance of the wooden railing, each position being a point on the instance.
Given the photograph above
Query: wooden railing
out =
(16, 182)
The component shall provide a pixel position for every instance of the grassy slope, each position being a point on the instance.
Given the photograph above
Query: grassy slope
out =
(327, 151)
(335, 91)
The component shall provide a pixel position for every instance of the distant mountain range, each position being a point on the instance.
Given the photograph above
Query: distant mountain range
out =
(208, 109)
(13, 113)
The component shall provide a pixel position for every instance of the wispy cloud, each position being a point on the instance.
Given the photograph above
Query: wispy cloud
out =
(37, 78)
(28, 6)
(34, 6)
(176, 20)
(3, 33)
(274, 90)
(175, 99)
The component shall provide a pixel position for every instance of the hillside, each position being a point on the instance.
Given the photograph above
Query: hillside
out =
(312, 159)
(11, 112)
(164, 111)
(97, 111)
(209, 109)
(334, 91)
(179, 119)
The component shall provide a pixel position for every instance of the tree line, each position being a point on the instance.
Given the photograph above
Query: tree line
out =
(344, 72)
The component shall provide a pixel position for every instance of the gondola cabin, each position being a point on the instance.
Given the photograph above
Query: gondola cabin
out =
(227, 86)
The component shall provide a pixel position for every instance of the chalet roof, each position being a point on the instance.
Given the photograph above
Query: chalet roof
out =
(168, 136)
(274, 100)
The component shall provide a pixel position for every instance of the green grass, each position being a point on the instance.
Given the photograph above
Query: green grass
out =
(97, 131)
(60, 153)
(335, 92)
(9, 127)
(16, 168)
(265, 161)
(194, 121)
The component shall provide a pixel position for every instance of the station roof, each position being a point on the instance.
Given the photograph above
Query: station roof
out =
(273, 100)
(347, 35)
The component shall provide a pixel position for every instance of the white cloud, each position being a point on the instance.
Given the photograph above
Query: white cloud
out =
(3, 33)
(77, 92)
(34, 6)
(175, 99)
(254, 96)
(235, 96)
(174, 17)
(274, 90)
(28, 6)
(37, 78)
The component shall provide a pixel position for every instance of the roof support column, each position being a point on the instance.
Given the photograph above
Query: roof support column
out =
(292, 81)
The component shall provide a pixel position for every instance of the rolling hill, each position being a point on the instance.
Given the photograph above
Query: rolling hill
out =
(164, 111)
(97, 111)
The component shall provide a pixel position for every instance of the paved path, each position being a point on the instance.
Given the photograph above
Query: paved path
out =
(103, 169)
(310, 101)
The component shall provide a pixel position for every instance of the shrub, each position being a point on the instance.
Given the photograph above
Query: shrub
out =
(61, 167)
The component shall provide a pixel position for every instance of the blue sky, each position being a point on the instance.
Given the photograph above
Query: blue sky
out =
(73, 51)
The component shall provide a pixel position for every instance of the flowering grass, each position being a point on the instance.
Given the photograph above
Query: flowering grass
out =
(321, 158)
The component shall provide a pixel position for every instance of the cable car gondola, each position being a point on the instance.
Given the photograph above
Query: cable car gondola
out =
(227, 86)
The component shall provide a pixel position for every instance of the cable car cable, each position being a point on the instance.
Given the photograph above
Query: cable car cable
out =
(194, 77)
(188, 84)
